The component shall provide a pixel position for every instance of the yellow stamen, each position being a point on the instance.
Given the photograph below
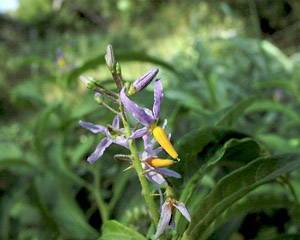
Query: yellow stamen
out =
(163, 140)
(157, 162)
(61, 62)
(126, 169)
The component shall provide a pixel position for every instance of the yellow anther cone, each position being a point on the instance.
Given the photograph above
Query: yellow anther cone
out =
(157, 162)
(61, 62)
(163, 140)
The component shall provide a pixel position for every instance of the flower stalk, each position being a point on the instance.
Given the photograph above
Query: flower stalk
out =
(139, 170)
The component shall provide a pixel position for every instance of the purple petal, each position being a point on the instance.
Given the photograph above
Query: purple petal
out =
(161, 197)
(165, 125)
(157, 151)
(121, 142)
(99, 150)
(158, 96)
(152, 175)
(183, 210)
(164, 220)
(172, 223)
(139, 133)
(140, 114)
(169, 173)
(145, 80)
(116, 122)
(92, 127)
(146, 139)
(155, 177)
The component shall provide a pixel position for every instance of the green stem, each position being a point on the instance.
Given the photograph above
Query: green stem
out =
(138, 167)
(102, 206)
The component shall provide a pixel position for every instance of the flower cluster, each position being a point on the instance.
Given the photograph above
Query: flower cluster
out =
(152, 165)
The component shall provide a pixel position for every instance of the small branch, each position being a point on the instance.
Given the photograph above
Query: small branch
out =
(111, 93)
(136, 126)
(110, 127)
(110, 108)
(105, 94)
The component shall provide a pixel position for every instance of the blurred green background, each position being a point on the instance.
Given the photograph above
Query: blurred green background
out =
(211, 55)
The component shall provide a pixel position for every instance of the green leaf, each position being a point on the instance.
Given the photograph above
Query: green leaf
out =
(235, 152)
(196, 141)
(255, 201)
(65, 216)
(125, 56)
(113, 230)
(7, 201)
(187, 100)
(231, 115)
(276, 83)
(236, 185)
(282, 237)
(269, 106)
(41, 125)
(278, 144)
(240, 151)
(277, 54)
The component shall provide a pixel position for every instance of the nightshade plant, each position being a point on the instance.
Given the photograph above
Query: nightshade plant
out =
(210, 206)
(147, 164)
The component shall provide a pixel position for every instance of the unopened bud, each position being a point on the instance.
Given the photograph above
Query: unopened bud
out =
(139, 84)
(109, 57)
(88, 81)
(98, 98)
(118, 68)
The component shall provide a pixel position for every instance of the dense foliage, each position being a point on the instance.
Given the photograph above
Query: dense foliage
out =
(230, 73)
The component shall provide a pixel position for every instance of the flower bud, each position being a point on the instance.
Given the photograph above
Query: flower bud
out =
(88, 81)
(98, 98)
(109, 57)
(139, 84)
(118, 68)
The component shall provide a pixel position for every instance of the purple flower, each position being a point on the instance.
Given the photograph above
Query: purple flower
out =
(166, 216)
(139, 84)
(144, 115)
(111, 137)
(155, 174)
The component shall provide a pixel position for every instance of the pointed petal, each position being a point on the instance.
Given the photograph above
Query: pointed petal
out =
(99, 150)
(140, 114)
(161, 198)
(172, 223)
(168, 172)
(122, 142)
(158, 96)
(146, 139)
(92, 127)
(164, 220)
(153, 176)
(157, 150)
(165, 125)
(139, 133)
(183, 210)
(116, 122)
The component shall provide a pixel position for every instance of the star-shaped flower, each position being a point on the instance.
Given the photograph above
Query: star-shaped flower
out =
(112, 136)
(152, 165)
(166, 215)
(149, 118)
